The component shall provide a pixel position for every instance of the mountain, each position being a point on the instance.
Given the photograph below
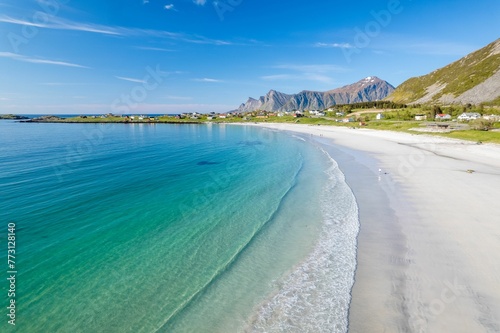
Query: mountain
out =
(273, 101)
(369, 89)
(473, 79)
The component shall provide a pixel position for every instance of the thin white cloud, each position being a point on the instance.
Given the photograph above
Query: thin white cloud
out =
(170, 7)
(200, 2)
(52, 62)
(335, 45)
(207, 80)
(149, 48)
(197, 39)
(278, 77)
(19, 57)
(60, 24)
(130, 79)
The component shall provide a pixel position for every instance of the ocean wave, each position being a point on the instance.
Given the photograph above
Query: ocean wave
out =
(315, 296)
(298, 137)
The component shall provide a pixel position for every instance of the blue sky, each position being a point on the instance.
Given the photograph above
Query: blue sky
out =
(170, 56)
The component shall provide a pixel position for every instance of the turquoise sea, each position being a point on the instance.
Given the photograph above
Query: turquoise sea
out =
(174, 228)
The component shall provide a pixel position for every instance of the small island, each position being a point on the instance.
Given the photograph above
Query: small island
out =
(12, 117)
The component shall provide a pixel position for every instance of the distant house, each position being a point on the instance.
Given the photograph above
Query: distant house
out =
(466, 116)
(210, 118)
(298, 114)
(340, 114)
(379, 116)
(420, 117)
(442, 116)
(222, 116)
(281, 114)
(492, 117)
(317, 113)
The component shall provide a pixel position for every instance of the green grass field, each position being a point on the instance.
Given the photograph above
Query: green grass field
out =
(397, 122)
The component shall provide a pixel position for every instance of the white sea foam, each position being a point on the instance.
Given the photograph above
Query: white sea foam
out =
(298, 137)
(315, 296)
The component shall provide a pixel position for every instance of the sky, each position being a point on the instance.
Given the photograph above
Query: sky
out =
(173, 56)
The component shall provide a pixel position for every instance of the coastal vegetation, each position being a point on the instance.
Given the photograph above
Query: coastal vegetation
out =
(380, 115)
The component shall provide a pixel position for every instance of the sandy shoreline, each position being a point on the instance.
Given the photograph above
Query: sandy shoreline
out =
(429, 244)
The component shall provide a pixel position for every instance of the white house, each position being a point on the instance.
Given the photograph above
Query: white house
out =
(442, 116)
(420, 117)
(492, 117)
(380, 116)
(469, 116)
(317, 113)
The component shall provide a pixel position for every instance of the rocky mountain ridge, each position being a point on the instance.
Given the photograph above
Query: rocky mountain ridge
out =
(366, 90)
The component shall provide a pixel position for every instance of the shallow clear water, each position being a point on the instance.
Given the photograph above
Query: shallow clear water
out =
(175, 228)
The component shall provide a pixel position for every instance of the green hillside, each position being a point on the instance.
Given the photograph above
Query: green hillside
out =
(458, 77)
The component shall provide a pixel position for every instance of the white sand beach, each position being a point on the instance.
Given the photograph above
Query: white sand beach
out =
(429, 243)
